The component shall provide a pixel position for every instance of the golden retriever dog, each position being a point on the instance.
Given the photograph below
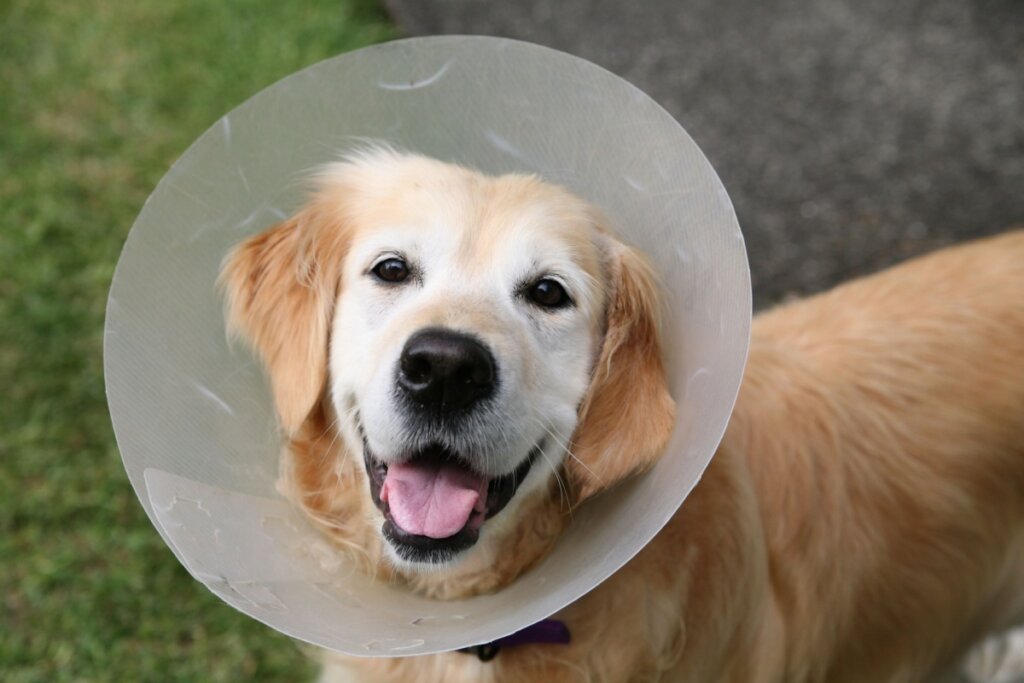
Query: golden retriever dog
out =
(457, 360)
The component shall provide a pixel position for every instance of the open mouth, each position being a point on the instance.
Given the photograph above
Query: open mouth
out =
(434, 503)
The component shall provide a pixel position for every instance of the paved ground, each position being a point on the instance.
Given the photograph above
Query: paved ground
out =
(850, 133)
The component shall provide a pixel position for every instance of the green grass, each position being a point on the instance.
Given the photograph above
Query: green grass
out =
(97, 99)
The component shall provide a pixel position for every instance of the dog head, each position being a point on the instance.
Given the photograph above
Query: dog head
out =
(471, 337)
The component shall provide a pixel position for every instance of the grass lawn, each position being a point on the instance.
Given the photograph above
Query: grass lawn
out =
(97, 99)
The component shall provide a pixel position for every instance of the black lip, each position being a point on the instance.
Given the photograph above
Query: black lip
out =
(415, 548)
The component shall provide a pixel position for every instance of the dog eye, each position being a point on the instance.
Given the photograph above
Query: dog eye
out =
(391, 270)
(548, 293)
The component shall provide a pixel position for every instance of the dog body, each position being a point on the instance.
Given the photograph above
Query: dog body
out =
(862, 520)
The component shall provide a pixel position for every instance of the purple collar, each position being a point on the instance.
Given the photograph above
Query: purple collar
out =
(544, 632)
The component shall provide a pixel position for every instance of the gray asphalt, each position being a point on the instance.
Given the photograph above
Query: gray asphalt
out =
(849, 133)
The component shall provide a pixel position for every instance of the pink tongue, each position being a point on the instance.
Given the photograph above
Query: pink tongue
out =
(432, 499)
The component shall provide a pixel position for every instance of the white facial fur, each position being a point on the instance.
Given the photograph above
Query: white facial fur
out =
(472, 243)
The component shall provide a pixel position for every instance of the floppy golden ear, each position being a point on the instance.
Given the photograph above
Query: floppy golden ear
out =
(628, 415)
(280, 287)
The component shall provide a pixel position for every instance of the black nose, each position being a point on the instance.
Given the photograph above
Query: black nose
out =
(446, 370)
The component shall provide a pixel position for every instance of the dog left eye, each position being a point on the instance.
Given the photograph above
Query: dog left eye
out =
(548, 293)
(391, 270)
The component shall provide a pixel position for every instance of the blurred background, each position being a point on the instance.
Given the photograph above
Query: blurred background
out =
(850, 134)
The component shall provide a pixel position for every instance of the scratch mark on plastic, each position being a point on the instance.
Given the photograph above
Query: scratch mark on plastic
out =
(194, 501)
(180, 190)
(391, 645)
(214, 397)
(422, 83)
(245, 181)
(503, 144)
(257, 594)
(635, 184)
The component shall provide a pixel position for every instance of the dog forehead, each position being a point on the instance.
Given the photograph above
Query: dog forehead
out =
(521, 218)
(486, 221)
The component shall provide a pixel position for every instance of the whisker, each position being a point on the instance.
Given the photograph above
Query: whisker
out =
(334, 427)
(562, 486)
(560, 440)
(563, 495)
(584, 466)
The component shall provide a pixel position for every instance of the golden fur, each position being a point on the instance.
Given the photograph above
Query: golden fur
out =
(862, 520)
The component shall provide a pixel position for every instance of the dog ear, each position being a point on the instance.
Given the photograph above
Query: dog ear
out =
(280, 288)
(627, 415)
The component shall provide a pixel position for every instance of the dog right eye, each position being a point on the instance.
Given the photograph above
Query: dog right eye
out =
(391, 270)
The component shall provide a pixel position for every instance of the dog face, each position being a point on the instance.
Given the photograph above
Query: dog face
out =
(462, 344)
(472, 336)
